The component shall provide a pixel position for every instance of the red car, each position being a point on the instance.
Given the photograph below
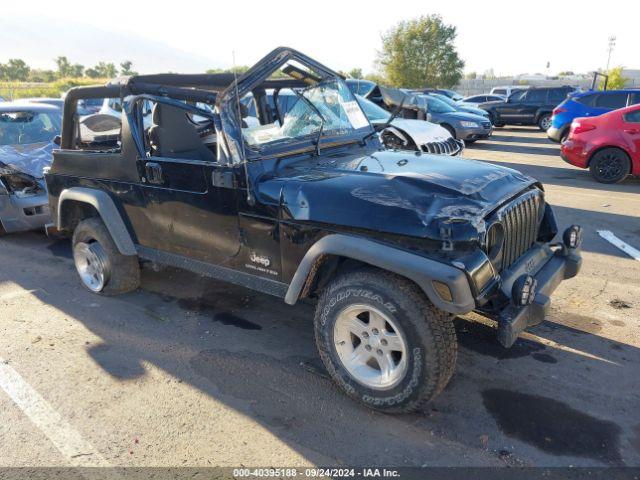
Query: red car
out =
(608, 145)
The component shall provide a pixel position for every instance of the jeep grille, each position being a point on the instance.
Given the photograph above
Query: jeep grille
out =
(520, 220)
(448, 147)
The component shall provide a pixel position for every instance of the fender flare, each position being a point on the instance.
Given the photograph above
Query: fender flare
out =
(108, 212)
(419, 269)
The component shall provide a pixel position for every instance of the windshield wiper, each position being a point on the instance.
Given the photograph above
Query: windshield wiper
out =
(315, 109)
(391, 118)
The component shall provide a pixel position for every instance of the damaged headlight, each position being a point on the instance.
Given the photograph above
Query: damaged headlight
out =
(18, 183)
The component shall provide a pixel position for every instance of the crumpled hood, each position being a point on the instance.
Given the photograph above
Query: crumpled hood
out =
(421, 131)
(30, 158)
(395, 192)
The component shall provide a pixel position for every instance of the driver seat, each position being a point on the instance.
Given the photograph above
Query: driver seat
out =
(172, 135)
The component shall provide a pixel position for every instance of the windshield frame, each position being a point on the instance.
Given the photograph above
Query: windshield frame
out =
(307, 142)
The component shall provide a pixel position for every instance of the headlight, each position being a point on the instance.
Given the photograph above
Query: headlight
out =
(466, 124)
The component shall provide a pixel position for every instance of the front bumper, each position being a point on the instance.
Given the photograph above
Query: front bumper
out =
(477, 133)
(23, 213)
(555, 133)
(549, 267)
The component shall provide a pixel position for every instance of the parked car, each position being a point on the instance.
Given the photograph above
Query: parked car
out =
(56, 102)
(459, 106)
(367, 89)
(402, 133)
(608, 145)
(409, 134)
(455, 96)
(461, 125)
(309, 205)
(508, 90)
(26, 142)
(476, 100)
(528, 107)
(588, 104)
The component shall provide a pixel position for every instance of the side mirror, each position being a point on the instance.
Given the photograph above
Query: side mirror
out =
(57, 140)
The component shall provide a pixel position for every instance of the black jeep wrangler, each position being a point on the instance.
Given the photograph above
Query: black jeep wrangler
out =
(306, 204)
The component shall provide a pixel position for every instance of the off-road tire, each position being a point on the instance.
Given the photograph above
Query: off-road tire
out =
(124, 269)
(429, 332)
(614, 155)
(541, 122)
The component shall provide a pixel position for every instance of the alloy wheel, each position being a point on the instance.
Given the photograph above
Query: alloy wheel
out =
(92, 264)
(370, 346)
(609, 166)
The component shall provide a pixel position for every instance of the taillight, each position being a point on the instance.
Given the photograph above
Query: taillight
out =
(581, 127)
(558, 110)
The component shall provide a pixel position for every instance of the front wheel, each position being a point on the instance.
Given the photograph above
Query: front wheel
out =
(101, 267)
(544, 122)
(610, 165)
(383, 342)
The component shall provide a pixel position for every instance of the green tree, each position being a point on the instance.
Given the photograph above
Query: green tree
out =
(92, 73)
(355, 73)
(125, 68)
(421, 53)
(76, 70)
(15, 69)
(42, 76)
(237, 70)
(616, 80)
(471, 76)
(102, 70)
(64, 66)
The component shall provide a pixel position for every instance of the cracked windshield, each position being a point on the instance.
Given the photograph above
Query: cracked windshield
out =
(327, 108)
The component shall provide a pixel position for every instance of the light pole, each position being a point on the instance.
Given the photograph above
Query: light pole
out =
(612, 43)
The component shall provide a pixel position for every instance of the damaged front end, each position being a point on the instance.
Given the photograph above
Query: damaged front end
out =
(24, 203)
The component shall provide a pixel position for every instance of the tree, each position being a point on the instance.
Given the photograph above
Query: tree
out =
(15, 69)
(616, 80)
(240, 69)
(489, 74)
(125, 68)
(92, 73)
(355, 73)
(76, 70)
(64, 66)
(42, 76)
(102, 70)
(420, 53)
(471, 76)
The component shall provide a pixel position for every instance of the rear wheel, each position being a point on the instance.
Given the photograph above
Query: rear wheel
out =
(383, 342)
(101, 267)
(544, 122)
(610, 165)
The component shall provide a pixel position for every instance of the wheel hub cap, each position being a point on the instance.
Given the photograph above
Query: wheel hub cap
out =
(370, 346)
(92, 265)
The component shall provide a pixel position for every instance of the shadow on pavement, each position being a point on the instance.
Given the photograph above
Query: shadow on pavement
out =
(530, 405)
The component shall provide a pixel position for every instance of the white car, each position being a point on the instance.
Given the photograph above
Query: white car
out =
(407, 134)
(507, 90)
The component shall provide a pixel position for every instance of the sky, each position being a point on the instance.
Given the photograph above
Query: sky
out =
(509, 37)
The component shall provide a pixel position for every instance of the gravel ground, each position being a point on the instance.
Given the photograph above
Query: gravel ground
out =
(190, 372)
